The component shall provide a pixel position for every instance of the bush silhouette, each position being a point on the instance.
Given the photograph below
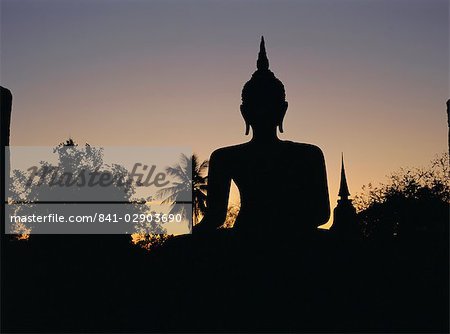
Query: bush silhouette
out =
(414, 203)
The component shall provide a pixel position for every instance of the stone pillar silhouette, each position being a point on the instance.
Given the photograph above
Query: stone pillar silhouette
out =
(448, 123)
(345, 222)
(5, 119)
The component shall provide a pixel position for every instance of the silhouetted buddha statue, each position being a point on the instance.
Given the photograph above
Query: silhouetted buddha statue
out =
(282, 184)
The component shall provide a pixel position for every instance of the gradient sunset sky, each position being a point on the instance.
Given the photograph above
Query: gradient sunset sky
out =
(368, 78)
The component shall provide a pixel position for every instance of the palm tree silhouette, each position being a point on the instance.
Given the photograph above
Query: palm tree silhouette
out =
(192, 181)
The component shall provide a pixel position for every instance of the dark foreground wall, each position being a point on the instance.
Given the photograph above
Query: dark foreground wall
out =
(100, 283)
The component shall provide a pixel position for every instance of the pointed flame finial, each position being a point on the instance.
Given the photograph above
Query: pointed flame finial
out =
(343, 189)
(263, 63)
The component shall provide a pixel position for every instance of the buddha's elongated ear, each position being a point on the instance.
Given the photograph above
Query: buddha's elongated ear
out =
(283, 113)
(244, 115)
(247, 128)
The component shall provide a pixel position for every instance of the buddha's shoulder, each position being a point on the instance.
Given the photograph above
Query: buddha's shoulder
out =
(235, 151)
(229, 151)
(303, 147)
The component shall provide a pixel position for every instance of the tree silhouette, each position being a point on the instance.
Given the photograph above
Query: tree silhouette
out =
(192, 181)
(414, 203)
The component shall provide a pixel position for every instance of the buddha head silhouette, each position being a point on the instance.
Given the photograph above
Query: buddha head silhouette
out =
(263, 98)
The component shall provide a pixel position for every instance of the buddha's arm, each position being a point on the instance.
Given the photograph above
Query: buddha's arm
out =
(219, 182)
(320, 197)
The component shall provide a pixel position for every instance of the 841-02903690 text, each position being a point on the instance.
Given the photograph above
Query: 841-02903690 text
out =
(98, 217)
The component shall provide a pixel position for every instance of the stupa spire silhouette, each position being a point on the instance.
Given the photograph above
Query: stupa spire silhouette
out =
(343, 189)
(345, 223)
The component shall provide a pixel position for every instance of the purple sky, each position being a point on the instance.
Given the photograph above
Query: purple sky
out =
(369, 78)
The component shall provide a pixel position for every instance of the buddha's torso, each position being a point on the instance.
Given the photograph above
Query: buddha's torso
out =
(276, 182)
